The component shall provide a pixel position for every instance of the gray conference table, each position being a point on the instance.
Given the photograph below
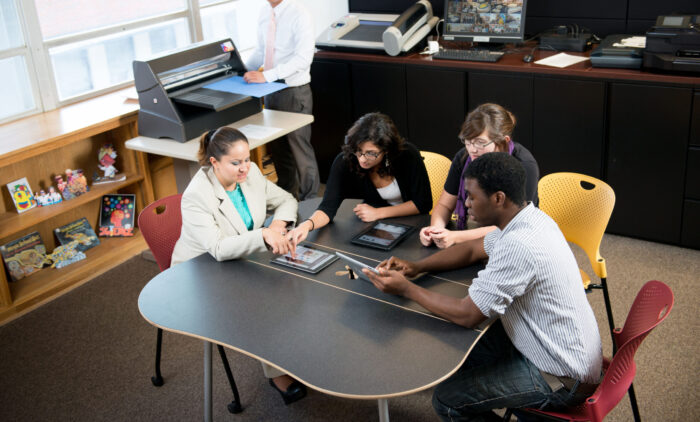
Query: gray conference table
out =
(340, 336)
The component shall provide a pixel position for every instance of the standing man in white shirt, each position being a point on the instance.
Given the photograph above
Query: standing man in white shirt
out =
(285, 51)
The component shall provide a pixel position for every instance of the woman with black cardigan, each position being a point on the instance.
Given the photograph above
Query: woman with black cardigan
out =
(377, 166)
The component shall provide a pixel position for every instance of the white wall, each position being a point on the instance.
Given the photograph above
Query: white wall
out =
(325, 12)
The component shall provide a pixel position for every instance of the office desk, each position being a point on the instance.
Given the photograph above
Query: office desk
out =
(184, 154)
(339, 336)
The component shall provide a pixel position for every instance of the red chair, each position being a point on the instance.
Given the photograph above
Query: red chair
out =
(160, 223)
(651, 306)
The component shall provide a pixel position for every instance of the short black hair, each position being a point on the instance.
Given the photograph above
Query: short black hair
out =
(499, 171)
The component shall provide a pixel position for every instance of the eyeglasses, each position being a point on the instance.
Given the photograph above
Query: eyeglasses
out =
(369, 155)
(477, 143)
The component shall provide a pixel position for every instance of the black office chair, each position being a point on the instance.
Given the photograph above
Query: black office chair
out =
(160, 224)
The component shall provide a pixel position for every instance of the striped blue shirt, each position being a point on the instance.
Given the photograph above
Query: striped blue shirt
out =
(532, 282)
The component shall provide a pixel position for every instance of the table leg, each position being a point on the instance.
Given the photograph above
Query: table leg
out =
(184, 170)
(383, 410)
(207, 382)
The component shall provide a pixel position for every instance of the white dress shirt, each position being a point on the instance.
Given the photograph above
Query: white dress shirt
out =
(294, 44)
(533, 284)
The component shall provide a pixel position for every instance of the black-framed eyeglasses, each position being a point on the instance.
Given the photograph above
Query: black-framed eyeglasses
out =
(477, 143)
(369, 155)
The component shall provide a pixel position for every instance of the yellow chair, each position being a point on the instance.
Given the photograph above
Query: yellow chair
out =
(438, 166)
(581, 205)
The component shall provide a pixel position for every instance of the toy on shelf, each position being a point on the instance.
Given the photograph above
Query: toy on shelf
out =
(48, 198)
(22, 195)
(74, 185)
(107, 156)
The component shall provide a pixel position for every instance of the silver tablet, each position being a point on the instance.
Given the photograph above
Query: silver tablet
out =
(356, 266)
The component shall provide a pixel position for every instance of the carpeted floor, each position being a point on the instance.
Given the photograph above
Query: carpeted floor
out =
(88, 355)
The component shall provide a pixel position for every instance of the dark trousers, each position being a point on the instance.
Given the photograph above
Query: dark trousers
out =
(495, 376)
(293, 155)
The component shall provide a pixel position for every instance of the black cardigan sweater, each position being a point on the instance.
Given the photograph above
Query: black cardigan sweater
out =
(411, 176)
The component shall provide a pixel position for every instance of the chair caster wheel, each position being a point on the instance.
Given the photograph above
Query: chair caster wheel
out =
(234, 407)
(157, 381)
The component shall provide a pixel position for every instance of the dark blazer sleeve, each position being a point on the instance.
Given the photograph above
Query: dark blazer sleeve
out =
(339, 179)
(413, 180)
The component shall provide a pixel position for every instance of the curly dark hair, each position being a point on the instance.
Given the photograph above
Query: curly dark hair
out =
(379, 129)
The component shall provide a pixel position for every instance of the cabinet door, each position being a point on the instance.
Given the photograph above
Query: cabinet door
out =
(690, 234)
(512, 92)
(436, 109)
(332, 108)
(380, 87)
(648, 144)
(569, 131)
(695, 123)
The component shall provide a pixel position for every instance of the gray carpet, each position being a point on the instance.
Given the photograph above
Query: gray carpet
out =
(88, 355)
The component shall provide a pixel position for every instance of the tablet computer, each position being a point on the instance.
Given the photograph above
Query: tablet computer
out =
(356, 266)
(382, 235)
(308, 259)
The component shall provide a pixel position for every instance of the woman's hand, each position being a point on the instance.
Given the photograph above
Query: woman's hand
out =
(443, 238)
(298, 234)
(280, 226)
(426, 235)
(367, 213)
(407, 268)
(278, 243)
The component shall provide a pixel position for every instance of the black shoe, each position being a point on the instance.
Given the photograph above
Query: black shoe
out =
(295, 392)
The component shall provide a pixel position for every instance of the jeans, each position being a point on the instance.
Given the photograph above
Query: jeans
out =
(496, 375)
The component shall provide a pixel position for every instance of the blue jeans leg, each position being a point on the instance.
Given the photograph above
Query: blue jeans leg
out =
(496, 375)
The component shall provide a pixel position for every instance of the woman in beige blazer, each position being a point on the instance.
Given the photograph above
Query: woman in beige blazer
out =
(223, 211)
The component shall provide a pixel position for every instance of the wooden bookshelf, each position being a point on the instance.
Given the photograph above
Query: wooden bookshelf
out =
(39, 148)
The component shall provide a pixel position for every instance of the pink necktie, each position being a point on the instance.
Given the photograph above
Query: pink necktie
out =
(270, 42)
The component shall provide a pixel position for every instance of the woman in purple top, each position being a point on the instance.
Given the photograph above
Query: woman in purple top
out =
(487, 128)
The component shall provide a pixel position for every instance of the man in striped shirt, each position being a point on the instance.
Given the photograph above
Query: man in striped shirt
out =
(544, 349)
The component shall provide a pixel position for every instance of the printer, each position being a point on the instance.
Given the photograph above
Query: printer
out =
(673, 44)
(173, 100)
(619, 51)
(378, 32)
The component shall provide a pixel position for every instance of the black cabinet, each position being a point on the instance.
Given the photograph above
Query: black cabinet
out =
(380, 87)
(690, 235)
(436, 109)
(332, 109)
(514, 92)
(569, 129)
(648, 143)
(695, 123)
(692, 178)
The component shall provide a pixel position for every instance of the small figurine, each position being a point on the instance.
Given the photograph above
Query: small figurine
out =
(63, 188)
(42, 199)
(54, 197)
(107, 157)
(76, 183)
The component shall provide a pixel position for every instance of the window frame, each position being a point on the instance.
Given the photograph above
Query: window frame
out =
(38, 61)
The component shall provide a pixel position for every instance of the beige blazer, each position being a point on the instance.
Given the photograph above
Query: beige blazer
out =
(211, 223)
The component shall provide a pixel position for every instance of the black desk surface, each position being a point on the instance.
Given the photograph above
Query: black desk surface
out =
(336, 335)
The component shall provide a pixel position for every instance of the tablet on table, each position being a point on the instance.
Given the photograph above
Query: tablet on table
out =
(382, 235)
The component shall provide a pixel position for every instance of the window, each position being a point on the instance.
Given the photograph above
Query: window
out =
(17, 94)
(73, 49)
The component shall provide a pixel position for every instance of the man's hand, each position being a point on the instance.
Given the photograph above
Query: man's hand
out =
(367, 213)
(407, 268)
(388, 281)
(443, 238)
(254, 77)
(278, 243)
